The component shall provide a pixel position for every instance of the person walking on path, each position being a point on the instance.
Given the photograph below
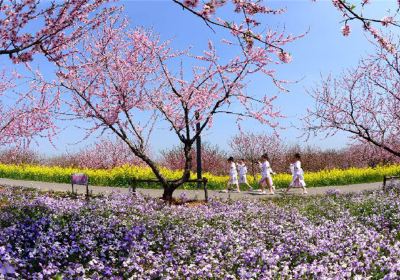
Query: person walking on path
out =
(297, 174)
(242, 169)
(266, 175)
(233, 176)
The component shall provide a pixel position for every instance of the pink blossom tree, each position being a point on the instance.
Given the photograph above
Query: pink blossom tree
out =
(212, 157)
(16, 155)
(364, 102)
(363, 153)
(106, 153)
(118, 76)
(368, 108)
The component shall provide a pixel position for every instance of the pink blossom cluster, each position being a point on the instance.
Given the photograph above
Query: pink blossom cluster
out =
(27, 28)
(285, 57)
(382, 40)
(25, 113)
(55, 25)
(346, 30)
(386, 21)
(249, 28)
(191, 3)
(354, 10)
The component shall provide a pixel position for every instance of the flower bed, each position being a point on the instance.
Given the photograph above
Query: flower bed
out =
(44, 235)
(121, 176)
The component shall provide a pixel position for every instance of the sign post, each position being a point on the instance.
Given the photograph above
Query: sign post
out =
(198, 152)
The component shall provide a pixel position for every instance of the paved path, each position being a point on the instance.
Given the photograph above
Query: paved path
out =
(189, 193)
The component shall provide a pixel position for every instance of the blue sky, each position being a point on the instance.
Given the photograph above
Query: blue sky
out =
(322, 51)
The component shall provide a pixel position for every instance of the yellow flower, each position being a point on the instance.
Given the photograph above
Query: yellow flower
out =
(121, 176)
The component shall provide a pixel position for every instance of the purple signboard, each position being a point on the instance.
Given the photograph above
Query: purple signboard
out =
(79, 179)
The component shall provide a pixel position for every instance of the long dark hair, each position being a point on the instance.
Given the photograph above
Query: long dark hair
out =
(265, 156)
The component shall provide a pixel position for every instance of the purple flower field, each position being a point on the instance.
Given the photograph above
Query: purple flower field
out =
(53, 236)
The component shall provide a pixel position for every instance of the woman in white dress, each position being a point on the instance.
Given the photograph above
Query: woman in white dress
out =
(297, 174)
(266, 172)
(233, 175)
(242, 169)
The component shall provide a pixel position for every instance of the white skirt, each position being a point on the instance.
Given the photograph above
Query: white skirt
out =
(265, 179)
(243, 179)
(233, 180)
(298, 181)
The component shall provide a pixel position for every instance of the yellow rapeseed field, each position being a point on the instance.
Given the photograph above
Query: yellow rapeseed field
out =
(121, 176)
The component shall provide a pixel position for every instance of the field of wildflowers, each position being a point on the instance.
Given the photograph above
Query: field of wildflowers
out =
(54, 236)
(121, 176)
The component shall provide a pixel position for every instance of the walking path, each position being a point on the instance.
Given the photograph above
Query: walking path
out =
(199, 194)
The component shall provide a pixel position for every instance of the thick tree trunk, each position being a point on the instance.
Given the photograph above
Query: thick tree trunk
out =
(169, 188)
(168, 191)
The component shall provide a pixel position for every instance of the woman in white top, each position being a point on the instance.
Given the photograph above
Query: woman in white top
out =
(297, 174)
(242, 169)
(266, 178)
(233, 175)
